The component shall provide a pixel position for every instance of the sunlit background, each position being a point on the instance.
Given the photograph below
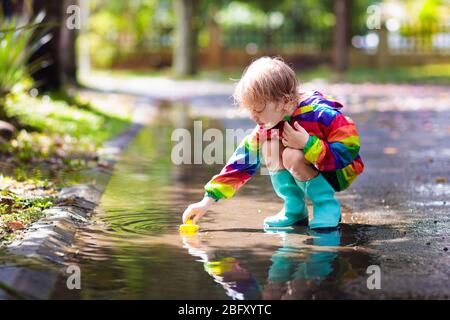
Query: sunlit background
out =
(75, 74)
(217, 38)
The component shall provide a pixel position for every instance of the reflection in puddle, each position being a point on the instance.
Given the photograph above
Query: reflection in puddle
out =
(238, 282)
(308, 269)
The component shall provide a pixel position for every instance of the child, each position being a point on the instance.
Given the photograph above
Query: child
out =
(317, 156)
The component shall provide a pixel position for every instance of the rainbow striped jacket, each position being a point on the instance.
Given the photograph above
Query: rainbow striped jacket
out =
(333, 148)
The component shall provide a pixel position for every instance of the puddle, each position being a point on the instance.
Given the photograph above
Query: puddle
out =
(133, 250)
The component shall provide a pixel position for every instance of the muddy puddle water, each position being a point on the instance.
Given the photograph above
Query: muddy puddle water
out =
(132, 249)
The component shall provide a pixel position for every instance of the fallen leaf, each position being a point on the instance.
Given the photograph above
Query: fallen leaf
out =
(390, 150)
(15, 225)
(441, 179)
(9, 201)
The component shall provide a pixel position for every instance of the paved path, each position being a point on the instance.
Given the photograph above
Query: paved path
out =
(396, 215)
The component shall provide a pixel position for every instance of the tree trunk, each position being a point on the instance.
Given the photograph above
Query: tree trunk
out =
(215, 46)
(13, 8)
(67, 49)
(185, 44)
(59, 52)
(383, 48)
(341, 31)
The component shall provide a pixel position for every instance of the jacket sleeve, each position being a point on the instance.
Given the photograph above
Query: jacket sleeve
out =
(239, 169)
(340, 145)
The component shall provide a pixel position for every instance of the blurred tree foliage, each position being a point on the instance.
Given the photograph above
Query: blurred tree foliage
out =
(425, 18)
(118, 29)
(429, 11)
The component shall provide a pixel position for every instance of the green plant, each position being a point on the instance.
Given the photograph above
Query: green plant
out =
(18, 41)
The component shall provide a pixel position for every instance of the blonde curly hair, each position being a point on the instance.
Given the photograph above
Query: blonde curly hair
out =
(267, 79)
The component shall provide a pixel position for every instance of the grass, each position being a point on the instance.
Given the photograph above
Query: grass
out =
(20, 205)
(63, 128)
(50, 115)
(59, 132)
(19, 41)
(420, 74)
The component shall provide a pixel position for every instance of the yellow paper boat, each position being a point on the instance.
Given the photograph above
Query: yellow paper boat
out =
(188, 229)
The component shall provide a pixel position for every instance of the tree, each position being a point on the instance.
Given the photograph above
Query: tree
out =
(341, 38)
(59, 52)
(11, 8)
(185, 44)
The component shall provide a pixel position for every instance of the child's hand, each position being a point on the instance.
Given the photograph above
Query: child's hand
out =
(294, 138)
(196, 210)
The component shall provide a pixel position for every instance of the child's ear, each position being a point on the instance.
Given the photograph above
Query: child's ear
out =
(287, 103)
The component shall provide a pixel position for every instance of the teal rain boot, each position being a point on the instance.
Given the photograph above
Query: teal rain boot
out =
(326, 208)
(294, 209)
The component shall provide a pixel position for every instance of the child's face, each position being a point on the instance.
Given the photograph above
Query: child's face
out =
(268, 114)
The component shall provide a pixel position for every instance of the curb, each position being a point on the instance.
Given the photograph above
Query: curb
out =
(48, 238)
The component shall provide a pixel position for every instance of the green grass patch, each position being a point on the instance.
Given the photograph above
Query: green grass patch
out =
(59, 137)
(50, 115)
(60, 126)
(21, 204)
